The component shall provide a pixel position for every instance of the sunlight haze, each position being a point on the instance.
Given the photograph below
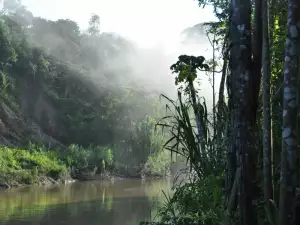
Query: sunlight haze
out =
(145, 22)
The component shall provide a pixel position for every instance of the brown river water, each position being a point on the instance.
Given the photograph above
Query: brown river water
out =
(122, 202)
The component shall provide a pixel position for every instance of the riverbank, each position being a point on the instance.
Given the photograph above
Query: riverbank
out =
(40, 181)
(20, 167)
(48, 181)
(37, 166)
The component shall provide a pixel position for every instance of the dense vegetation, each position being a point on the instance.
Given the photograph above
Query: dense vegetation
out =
(73, 95)
(244, 154)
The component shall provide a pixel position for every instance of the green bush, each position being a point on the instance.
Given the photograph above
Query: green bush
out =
(77, 156)
(23, 166)
(158, 164)
(194, 203)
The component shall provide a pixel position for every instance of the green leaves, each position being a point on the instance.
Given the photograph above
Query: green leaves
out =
(186, 68)
(194, 203)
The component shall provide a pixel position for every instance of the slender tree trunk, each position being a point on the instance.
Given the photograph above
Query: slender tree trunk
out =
(257, 51)
(217, 153)
(243, 104)
(222, 83)
(213, 86)
(267, 172)
(256, 82)
(271, 27)
(201, 135)
(221, 113)
(288, 177)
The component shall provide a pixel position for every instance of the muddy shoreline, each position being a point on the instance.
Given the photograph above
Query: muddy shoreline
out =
(49, 181)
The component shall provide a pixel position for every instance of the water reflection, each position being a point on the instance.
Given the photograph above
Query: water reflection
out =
(124, 202)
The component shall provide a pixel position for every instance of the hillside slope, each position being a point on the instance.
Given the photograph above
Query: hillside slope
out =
(61, 86)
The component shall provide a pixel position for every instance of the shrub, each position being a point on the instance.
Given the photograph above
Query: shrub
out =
(25, 166)
(77, 156)
(194, 203)
(158, 164)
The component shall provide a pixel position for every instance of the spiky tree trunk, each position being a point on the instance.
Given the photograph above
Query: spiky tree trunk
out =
(290, 104)
(268, 188)
(243, 104)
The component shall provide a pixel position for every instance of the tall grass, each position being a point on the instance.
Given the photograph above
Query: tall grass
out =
(183, 140)
(199, 201)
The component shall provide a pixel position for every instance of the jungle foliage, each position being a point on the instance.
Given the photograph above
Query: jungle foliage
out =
(246, 168)
(62, 87)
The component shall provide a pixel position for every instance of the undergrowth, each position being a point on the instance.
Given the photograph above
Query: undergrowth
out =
(23, 166)
(158, 164)
(200, 199)
(198, 202)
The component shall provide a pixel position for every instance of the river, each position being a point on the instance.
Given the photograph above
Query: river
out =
(122, 202)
